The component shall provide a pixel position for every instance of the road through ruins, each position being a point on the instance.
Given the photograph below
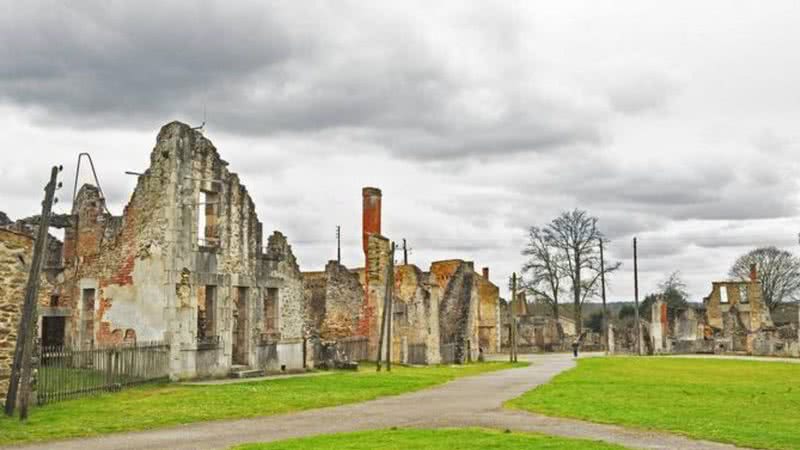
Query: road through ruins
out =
(471, 401)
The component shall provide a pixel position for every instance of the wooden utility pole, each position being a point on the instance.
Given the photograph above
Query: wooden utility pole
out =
(636, 299)
(405, 252)
(603, 293)
(390, 307)
(338, 244)
(513, 334)
(23, 353)
(386, 321)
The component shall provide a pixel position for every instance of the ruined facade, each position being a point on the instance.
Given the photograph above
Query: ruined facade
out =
(186, 264)
(449, 313)
(733, 318)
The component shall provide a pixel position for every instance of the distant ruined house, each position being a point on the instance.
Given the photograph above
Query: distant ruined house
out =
(733, 318)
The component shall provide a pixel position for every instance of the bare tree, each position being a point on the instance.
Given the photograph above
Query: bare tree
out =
(543, 271)
(778, 270)
(576, 236)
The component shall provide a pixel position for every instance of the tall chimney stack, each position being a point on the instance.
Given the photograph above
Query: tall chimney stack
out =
(753, 272)
(371, 221)
(486, 273)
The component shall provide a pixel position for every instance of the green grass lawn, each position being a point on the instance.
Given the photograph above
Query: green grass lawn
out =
(444, 439)
(162, 405)
(754, 404)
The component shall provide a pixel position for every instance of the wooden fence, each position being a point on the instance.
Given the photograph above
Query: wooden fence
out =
(66, 374)
(354, 348)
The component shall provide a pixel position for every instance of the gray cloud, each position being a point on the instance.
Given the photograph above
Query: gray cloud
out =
(642, 92)
(275, 70)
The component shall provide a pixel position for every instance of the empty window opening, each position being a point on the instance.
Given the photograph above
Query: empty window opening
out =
(54, 300)
(87, 316)
(208, 219)
(240, 325)
(400, 310)
(205, 312)
(271, 311)
(723, 294)
(743, 298)
(53, 331)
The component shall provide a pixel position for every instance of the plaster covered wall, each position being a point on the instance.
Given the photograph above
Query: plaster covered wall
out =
(190, 228)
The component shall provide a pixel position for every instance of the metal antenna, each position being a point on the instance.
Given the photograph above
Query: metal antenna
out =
(96, 180)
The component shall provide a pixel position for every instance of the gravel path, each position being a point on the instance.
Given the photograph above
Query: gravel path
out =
(471, 401)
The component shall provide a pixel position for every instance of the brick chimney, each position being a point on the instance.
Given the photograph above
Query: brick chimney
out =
(753, 272)
(371, 221)
(486, 273)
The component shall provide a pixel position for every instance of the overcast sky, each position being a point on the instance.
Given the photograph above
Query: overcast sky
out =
(672, 121)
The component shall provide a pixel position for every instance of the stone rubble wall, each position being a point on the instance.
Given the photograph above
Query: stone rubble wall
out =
(16, 253)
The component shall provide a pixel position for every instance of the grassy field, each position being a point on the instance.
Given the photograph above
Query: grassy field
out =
(163, 405)
(754, 404)
(445, 439)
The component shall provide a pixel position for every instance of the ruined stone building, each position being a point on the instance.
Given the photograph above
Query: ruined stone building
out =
(733, 318)
(537, 329)
(185, 263)
(448, 313)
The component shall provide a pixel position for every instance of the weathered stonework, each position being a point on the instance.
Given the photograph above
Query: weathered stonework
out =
(335, 298)
(416, 316)
(488, 314)
(185, 263)
(743, 296)
(450, 298)
(16, 253)
(458, 308)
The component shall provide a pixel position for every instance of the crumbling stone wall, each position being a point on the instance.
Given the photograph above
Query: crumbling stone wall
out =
(779, 341)
(152, 266)
(535, 334)
(458, 308)
(343, 299)
(488, 314)
(292, 306)
(314, 287)
(16, 253)
(416, 314)
(343, 308)
(122, 259)
(744, 296)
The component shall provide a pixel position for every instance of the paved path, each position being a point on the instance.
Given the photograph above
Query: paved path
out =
(471, 401)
